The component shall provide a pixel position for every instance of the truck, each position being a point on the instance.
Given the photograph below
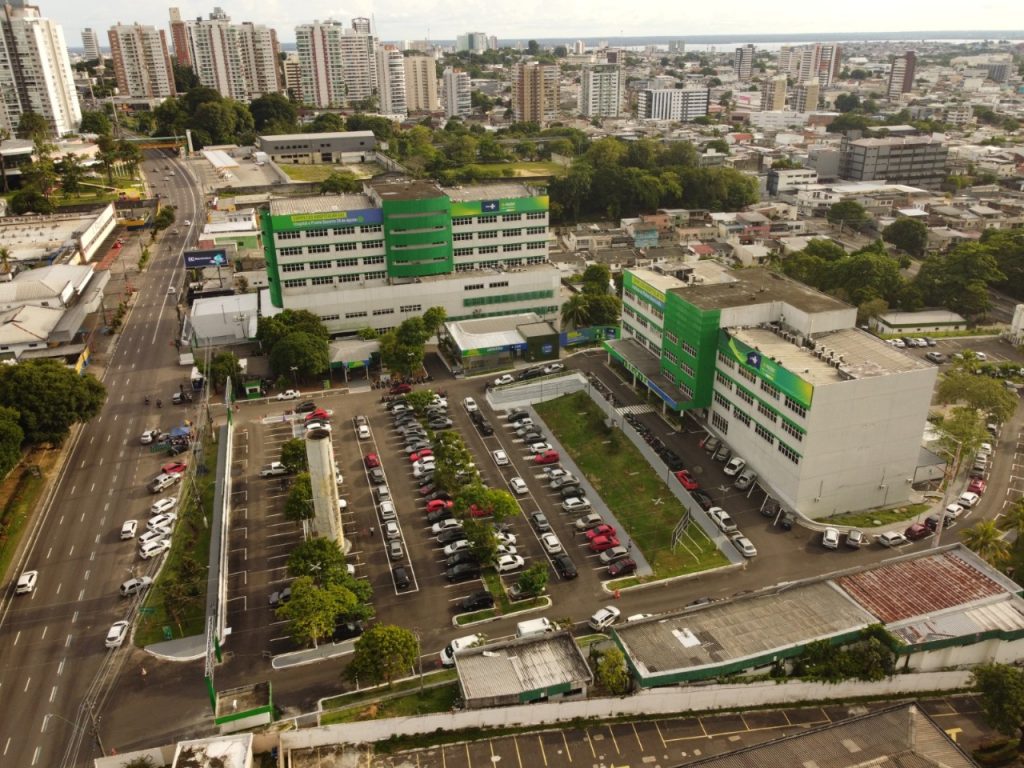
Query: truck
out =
(275, 469)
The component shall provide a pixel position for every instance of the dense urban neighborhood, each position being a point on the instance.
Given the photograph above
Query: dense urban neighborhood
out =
(444, 402)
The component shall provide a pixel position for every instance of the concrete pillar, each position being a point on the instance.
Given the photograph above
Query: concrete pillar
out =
(320, 455)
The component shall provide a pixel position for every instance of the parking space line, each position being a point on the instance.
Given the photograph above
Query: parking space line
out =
(658, 729)
(543, 754)
(614, 740)
(469, 760)
(639, 741)
(567, 750)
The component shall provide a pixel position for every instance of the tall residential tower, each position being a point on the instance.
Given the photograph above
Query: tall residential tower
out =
(142, 64)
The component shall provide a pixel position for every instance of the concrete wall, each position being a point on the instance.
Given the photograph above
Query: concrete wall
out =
(651, 702)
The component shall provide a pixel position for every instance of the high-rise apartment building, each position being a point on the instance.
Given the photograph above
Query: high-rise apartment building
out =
(292, 72)
(142, 64)
(602, 89)
(820, 60)
(90, 44)
(917, 161)
(901, 75)
(339, 65)
(473, 42)
(743, 63)
(420, 83)
(805, 96)
(35, 71)
(179, 39)
(773, 98)
(400, 247)
(676, 104)
(239, 61)
(534, 92)
(457, 93)
(391, 81)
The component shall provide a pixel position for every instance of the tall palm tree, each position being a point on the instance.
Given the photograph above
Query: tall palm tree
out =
(987, 542)
(576, 312)
(4, 136)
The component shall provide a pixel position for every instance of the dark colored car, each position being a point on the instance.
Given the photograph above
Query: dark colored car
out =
(477, 601)
(703, 499)
(436, 494)
(485, 428)
(462, 572)
(377, 476)
(400, 389)
(540, 521)
(564, 566)
(533, 436)
(438, 515)
(476, 417)
(460, 558)
(427, 490)
(517, 414)
(307, 407)
(440, 424)
(176, 448)
(571, 491)
(451, 535)
(916, 531)
(401, 577)
(622, 567)
(346, 630)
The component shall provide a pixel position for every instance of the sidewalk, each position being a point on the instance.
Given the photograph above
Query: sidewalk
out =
(181, 649)
(313, 655)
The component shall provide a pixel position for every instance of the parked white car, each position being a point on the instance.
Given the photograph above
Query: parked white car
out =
(830, 538)
(968, 499)
(518, 486)
(290, 394)
(721, 518)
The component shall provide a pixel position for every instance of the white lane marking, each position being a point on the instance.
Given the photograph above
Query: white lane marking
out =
(67, 642)
(106, 506)
(92, 488)
(87, 575)
(82, 518)
(91, 439)
(35, 755)
(101, 462)
(97, 539)
(17, 637)
(83, 464)
(71, 551)
(43, 636)
(27, 684)
(61, 521)
(59, 586)
(48, 553)
(92, 555)
(60, 667)
(81, 596)
(7, 746)
(53, 694)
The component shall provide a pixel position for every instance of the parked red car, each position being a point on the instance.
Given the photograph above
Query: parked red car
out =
(371, 460)
(683, 476)
(476, 511)
(436, 504)
(174, 468)
(318, 414)
(916, 531)
(622, 567)
(400, 389)
(602, 530)
(417, 455)
(601, 543)
(977, 486)
(549, 456)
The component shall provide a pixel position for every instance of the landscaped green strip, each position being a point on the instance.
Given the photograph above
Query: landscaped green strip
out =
(631, 489)
(16, 513)
(877, 517)
(437, 699)
(178, 598)
(377, 692)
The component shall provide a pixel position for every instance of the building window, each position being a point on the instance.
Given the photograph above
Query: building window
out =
(350, 278)
(289, 235)
(719, 422)
(347, 262)
(746, 374)
(745, 396)
(670, 357)
(795, 407)
(489, 235)
(486, 219)
(462, 221)
(375, 275)
(741, 416)
(461, 236)
(370, 244)
(689, 349)
(463, 252)
(350, 315)
(371, 228)
(511, 247)
(535, 259)
(383, 311)
(721, 379)
(764, 434)
(329, 318)
(411, 308)
(671, 337)
(294, 283)
(771, 389)
(293, 267)
(318, 248)
(323, 280)
(687, 370)
(344, 231)
(537, 215)
(792, 430)
(316, 233)
(536, 230)
(767, 412)
(345, 246)
(499, 284)
(536, 247)
(373, 260)
(722, 401)
(512, 233)
(512, 217)
(320, 265)
(473, 287)
(789, 453)
(487, 249)
(687, 392)
(290, 252)
(727, 361)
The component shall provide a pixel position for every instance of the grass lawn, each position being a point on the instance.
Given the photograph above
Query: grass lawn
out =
(878, 517)
(629, 486)
(191, 543)
(439, 699)
(524, 169)
(347, 700)
(16, 511)
(307, 172)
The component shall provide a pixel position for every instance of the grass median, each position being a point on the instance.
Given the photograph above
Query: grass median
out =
(629, 486)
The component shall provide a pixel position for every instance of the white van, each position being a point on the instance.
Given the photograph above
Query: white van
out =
(456, 645)
(534, 627)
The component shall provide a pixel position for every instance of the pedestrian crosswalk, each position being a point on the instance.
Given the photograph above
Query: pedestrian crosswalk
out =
(636, 410)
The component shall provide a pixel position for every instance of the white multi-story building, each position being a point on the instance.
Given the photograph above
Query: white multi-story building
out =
(829, 416)
(35, 71)
(239, 61)
(391, 81)
(457, 93)
(421, 83)
(472, 42)
(90, 44)
(820, 60)
(142, 64)
(676, 104)
(601, 91)
(339, 65)
(378, 258)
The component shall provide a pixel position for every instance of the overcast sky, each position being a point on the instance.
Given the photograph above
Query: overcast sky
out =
(566, 19)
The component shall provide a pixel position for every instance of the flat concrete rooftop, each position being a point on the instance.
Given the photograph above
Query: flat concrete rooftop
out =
(758, 286)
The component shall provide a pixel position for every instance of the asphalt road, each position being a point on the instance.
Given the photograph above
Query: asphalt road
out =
(54, 664)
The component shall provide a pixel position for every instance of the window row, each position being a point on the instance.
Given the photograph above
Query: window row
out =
(507, 298)
(331, 279)
(336, 232)
(329, 264)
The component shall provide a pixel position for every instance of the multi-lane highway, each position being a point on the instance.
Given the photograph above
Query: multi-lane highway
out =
(55, 673)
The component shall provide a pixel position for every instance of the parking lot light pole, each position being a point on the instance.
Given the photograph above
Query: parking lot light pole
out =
(937, 539)
(295, 375)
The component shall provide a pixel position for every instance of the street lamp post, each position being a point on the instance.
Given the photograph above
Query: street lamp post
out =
(295, 375)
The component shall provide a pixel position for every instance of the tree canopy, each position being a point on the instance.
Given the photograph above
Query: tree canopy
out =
(49, 397)
(908, 235)
(314, 609)
(299, 504)
(382, 653)
(1000, 688)
(293, 455)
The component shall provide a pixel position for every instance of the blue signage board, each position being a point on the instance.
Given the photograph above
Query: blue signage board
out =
(215, 257)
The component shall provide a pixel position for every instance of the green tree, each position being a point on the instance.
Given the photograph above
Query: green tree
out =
(185, 78)
(164, 218)
(576, 311)
(293, 455)
(603, 310)
(850, 121)
(964, 430)
(959, 279)
(612, 672)
(49, 397)
(848, 214)
(986, 540)
(327, 122)
(1007, 246)
(302, 353)
(41, 174)
(71, 172)
(299, 504)
(978, 392)
(340, 182)
(272, 329)
(313, 609)
(534, 580)
(107, 156)
(11, 438)
(419, 400)
(129, 154)
(321, 559)
(597, 279)
(273, 108)
(95, 122)
(847, 102)
(30, 201)
(907, 234)
(1001, 690)
(382, 653)
(433, 319)
(5, 135)
(33, 126)
(224, 365)
(143, 761)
